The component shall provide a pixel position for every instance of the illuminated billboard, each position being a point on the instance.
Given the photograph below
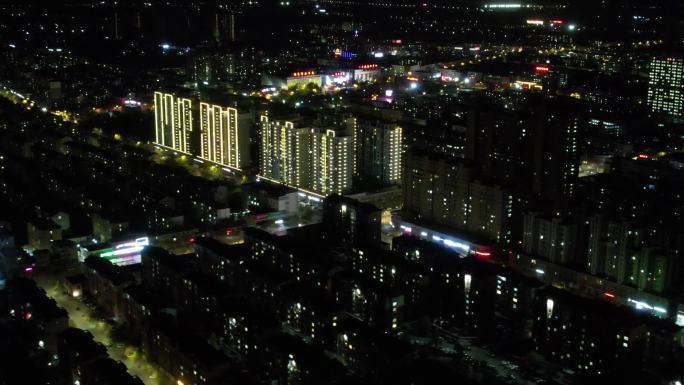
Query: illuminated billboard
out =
(542, 69)
(122, 253)
(338, 78)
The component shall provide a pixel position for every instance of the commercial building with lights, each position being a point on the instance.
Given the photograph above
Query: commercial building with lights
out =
(666, 86)
(296, 78)
(304, 78)
(366, 73)
(120, 253)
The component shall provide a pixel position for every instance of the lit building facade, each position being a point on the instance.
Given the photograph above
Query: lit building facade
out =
(350, 223)
(366, 73)
(303, 79)
(285, 152)
(630, 255)
(666, 86)
(378, 147)
(332, 162)
(173, 121)
(554, 149)
(219, 135)
(211, 68)
(550, 237)
(444, 191)
(223, 135)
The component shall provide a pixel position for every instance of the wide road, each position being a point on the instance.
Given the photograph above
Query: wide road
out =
(81, 316)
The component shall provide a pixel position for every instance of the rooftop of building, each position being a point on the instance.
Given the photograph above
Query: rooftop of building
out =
(308, 356)
(194, 348)
(178, 263)
(107, 270)
(143, 296)
(44, 224)
(615, 315)
(75, 279)
(311, 295)
(337, 200)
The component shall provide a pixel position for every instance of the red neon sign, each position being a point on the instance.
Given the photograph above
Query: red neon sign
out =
(367, 66)
(304, 73)
(542, 69)
(643, 156)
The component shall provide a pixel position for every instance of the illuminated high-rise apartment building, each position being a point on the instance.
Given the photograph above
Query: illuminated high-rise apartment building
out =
(378, 147)
(223, 135)
(173, 121)
(219, 135)
(285, 153)
(331, 162)
(444, 190)
(666, 86)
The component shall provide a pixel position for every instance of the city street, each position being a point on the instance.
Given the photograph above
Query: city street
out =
(81, 316)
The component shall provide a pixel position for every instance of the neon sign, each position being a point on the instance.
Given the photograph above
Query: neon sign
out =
(368, 66)
(304, 73)
(484, 254)
(127, 253)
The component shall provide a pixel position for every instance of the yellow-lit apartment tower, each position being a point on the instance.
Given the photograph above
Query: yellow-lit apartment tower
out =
(332, 162)
(378, 151)
(219, 137)
(285, 152)
(172, 121)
